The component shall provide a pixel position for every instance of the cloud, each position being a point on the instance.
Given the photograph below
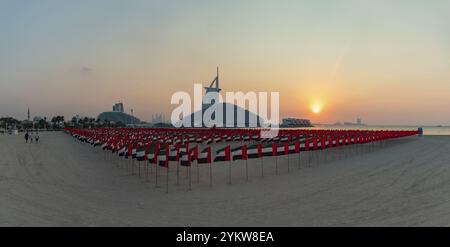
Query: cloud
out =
(86, 70)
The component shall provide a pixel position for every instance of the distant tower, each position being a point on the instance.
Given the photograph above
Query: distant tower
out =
(213, 88)
(216, 81)
(28, 115)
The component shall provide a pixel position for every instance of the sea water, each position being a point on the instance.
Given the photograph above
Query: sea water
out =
(427, 130)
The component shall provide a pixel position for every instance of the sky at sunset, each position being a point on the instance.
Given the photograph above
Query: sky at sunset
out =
(387, 62)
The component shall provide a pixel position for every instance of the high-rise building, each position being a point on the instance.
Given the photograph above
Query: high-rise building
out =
(158, 118)
(358, 121)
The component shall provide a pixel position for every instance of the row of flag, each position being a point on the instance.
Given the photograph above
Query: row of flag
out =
(162, 145)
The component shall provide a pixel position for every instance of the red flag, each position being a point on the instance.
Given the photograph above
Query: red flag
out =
(208, 157)
(227, 153)
(130, 150)
(195, 153)
(286, 148)
(259, 146)
(178, 152)
(297, 147)
(166, 162)
(274, 149)
(146, 149)
(315, 144)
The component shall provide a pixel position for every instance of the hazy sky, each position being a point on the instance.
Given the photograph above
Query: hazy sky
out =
(387, 62)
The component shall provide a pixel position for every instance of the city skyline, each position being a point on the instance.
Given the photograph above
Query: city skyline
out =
(385, 62)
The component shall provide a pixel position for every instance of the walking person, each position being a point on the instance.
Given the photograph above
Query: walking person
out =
(31, 137)
(37, 137)
(26, 137)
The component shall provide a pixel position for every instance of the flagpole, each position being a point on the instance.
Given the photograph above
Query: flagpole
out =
(128, 165)
(146, 176)
(139, 167)
(299, 160)
(151, 168)
(132, 166)
(178, 171)
(190, 177)
(198, 171)
(309, 158)
(156, 173)
(276, 164)
(210, 173)
(229, 171)
(288, 163)
(262, 166)
(246, 168)
(167, 178)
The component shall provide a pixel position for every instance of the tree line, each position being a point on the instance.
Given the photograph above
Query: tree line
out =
(55, 123)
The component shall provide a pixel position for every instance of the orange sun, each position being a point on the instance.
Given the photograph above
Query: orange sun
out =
(316, 109)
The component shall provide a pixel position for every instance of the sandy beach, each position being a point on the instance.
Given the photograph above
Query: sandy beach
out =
(62, 182)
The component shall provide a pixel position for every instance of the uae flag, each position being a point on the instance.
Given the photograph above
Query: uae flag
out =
(96, 143)
(254, 151)
(239, 153)
(217, 139)
(294, 147)
(185, 156)
(223, 154)
(129, 152)
(104, 145)
(332, 142)
(210, 140)
(113, 147)
(307, 145)
(122, 151)
(150, 153)
(315, 144)
(140, 153)
(255, 137)
(267, 139)
(133, 150)
(163, 156)
(323, 143)
(276, 139)
(178, 140)
(246, 138)
(174, 153)
(204, 157)
(194, 153)
(266, 149)
(199, 139)
(278, 150)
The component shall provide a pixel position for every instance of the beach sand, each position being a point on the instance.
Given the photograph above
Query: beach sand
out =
(61, 182)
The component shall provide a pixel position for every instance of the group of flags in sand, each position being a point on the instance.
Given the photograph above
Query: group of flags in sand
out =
(185, 146)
